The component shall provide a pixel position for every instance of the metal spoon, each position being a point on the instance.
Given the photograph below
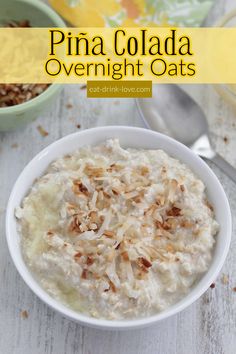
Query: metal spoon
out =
(175, 113)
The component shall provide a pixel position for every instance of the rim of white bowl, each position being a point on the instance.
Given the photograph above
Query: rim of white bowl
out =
(103, 323)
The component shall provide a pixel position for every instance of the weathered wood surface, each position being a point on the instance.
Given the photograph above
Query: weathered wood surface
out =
(208, 326)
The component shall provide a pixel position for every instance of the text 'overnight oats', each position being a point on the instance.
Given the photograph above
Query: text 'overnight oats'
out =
(117, 233)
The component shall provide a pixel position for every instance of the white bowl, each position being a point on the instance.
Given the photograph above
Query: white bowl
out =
(129, 137)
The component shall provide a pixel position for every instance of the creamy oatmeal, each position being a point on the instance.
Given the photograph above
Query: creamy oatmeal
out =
(117, 233)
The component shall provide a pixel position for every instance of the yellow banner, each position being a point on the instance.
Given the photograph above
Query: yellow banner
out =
(76, 55)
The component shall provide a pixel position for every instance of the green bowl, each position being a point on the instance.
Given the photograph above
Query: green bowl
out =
(39, 15)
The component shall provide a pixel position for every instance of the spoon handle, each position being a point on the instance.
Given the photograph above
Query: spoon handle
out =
(229, 170)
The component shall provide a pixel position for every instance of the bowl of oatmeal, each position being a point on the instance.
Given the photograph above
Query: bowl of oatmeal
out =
(23, 103)
(118, 227)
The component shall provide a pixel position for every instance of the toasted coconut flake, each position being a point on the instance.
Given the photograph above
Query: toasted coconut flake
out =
(137, 199)
(129, 188)
(145, 262)
(118, 246)
(151, 209)
(125, 256)
(115, 167)
(94, 171)
(109, 233)
(71, 207)
(78, 255)
(84, 273)
(24, 314)
(163, 169)
(89, 261)
(160, 200)
(174, 211)
(106, 195)
(116, 191)
(131, 195)
(112, 286)
(187, 224)
(79, 187)
(87, 185)
(141, 267)
(42, 131)
(144, 170)
(74, 226)
(163, 225)
(170, 248)
(172, 223)
(93, 216)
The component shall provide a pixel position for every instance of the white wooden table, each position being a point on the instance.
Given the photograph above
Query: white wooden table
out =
(208, 326)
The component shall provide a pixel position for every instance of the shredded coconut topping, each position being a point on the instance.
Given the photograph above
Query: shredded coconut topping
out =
(117, 233)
